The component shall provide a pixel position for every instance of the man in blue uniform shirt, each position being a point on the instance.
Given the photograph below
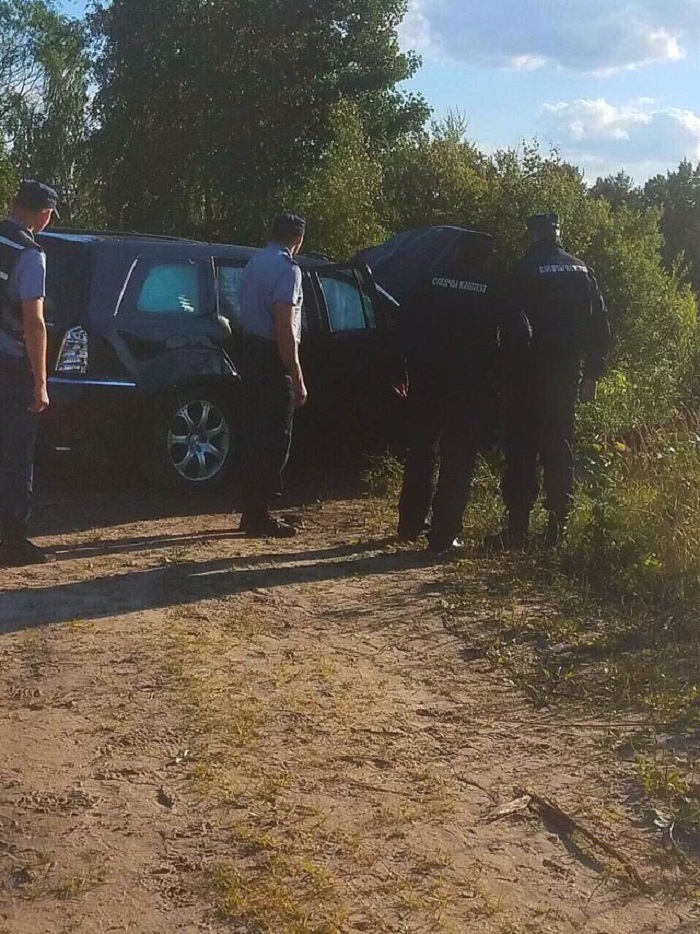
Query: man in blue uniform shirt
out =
(566, 356)
(272, 384)
(23, 386)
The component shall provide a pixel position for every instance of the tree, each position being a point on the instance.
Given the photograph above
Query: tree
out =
(23, 26)
(50, 128)
(44, 72)
(678, 195)
(340, 197)
(438, 177)
(618, 190)
(208, 111)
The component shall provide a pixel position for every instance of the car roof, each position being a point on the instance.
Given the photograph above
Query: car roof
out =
(229, 250)
(87, 236)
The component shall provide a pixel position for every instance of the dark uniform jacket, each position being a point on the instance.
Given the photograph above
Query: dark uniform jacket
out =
(447, 333)
(13, 240)
(559, 296)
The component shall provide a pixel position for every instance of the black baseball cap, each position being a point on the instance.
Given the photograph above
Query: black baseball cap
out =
(544, 223)
(36, 196)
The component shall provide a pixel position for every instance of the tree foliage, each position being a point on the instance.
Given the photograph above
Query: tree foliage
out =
(618, 190)
(208, 111)
(24, 25)
(678, 195)
(44, 74)
(341, 195)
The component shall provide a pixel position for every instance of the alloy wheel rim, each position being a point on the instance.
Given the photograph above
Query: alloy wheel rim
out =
(199, 440)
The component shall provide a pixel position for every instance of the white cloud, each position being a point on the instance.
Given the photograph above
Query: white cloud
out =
(583, 35)
(597, 134)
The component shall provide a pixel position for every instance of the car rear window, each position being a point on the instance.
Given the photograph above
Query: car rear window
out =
(170, 289)
(67, 280)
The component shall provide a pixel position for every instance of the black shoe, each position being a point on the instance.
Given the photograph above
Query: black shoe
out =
(15, 554)
(272, 527)
(436, 547)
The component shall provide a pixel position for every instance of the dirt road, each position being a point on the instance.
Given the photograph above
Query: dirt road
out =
(204, 733)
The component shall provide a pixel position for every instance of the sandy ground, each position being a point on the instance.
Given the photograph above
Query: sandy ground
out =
(204, 733)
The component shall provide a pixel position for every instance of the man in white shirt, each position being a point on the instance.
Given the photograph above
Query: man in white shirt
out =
(272, 385)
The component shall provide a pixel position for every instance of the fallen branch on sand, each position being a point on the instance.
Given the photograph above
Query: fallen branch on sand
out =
(505, 810)
(551, 811)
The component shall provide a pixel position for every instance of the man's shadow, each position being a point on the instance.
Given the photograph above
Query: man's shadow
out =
(191, 582)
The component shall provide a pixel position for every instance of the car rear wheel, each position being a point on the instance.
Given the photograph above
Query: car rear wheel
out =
(194, 440)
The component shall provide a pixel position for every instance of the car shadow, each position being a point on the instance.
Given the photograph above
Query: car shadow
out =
(78, 496)
(190, 582)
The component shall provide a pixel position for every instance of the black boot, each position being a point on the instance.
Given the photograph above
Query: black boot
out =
(556, 530)
(16, 550)
(514, 537)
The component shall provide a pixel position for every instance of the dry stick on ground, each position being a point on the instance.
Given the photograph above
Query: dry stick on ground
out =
(678, 850)
(549, 809)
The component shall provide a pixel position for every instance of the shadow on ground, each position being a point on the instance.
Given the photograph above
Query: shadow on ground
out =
(190, 582)
(76, 493)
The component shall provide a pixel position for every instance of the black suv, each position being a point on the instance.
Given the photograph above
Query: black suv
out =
(143, 340)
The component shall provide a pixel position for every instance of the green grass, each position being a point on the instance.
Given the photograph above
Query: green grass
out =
(608, 622)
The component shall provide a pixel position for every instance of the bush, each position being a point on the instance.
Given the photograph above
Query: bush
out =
(637, 526)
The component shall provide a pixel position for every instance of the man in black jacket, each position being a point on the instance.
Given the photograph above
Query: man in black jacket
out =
(23, 382)
(447, 335)
(559, 296)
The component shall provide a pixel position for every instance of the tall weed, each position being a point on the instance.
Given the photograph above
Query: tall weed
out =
(636, 531)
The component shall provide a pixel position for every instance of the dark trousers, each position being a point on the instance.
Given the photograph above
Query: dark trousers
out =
(437, 425)
(18, 431)
(540, 432)
(267, 404)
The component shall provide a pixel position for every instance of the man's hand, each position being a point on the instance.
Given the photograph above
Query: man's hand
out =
(300, 393)
(40, 400)
(588, 389)
(400, 389)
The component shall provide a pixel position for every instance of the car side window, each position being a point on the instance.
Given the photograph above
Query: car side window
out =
(165, 288)
(229, 284)
(346, 305)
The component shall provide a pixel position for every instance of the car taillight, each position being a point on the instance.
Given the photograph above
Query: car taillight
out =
(73, 355)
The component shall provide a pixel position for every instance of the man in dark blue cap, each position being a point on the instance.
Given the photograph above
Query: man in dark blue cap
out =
(272, 384)
(566, 356)
(23, 392)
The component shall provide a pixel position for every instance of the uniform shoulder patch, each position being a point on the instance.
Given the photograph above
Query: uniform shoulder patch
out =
(554, 268)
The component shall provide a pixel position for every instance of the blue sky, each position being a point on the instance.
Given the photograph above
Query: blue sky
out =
(612, 84)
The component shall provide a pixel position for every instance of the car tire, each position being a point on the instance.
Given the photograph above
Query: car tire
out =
(193, 440)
